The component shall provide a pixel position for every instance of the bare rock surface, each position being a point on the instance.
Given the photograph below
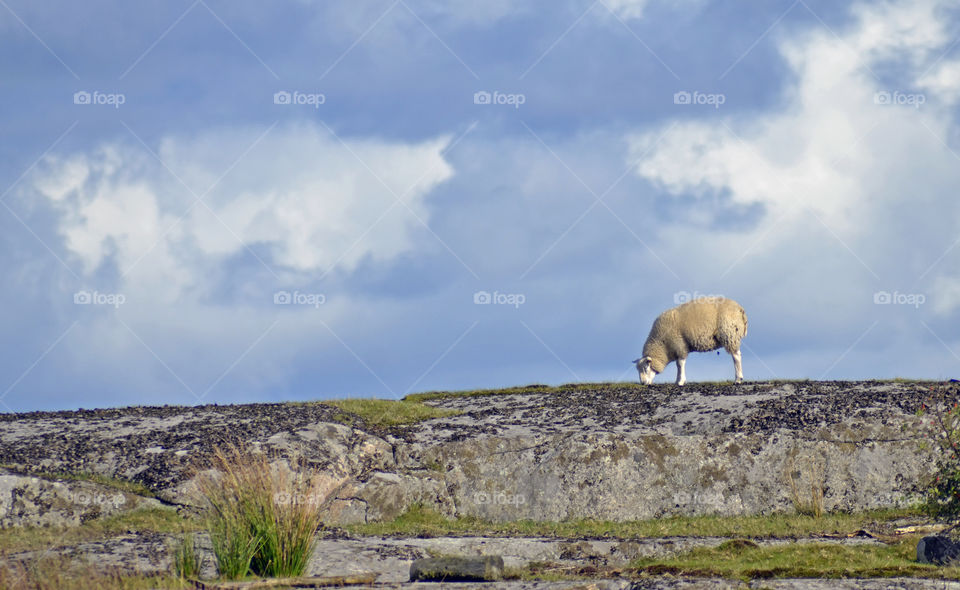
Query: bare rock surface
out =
(613, 451)
(34, 501)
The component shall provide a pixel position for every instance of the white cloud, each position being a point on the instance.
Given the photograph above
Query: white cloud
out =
(857, 196)
(299, 197)
(823, 150)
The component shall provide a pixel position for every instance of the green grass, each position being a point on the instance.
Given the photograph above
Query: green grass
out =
(59, 573)
(385, 412)
(420, 521)
(262, 519)
(159, 520)
(745, 560)
(187, 562)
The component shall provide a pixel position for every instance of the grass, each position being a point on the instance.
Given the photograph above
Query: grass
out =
(58, 574)
(420, 521)
(262, 519)
(746, 560)
(187, 562)
(159, 520)
(807, 499)
(385, 412)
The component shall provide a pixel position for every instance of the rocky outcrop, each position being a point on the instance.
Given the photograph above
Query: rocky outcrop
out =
(35, 501)
(605, 451)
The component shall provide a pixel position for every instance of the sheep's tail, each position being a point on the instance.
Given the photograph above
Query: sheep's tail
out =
(743, 314)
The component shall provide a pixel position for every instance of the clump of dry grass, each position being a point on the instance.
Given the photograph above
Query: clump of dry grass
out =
(262, 517)
(813, 505)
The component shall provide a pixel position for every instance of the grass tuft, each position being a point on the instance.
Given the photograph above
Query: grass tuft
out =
(187, 561)
(262, 518)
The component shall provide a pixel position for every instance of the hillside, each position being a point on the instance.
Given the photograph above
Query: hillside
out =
(603, 452)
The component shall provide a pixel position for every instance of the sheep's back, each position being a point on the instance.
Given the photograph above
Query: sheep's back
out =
(698, 322)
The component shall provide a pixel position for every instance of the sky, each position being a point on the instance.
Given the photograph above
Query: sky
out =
(224, 202)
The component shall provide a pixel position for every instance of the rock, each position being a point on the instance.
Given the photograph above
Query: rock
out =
(483, 568)
(938, 550)
(33, 501)
(608, 451)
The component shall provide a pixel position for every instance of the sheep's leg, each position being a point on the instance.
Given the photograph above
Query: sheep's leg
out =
(681, 374)
(737, 367)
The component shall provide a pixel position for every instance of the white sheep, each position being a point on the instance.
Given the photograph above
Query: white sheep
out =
(700, 325)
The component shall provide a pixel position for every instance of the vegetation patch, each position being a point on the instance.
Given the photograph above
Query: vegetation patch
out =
(385, 412)
(157, 520)
(941, 431)
(262, 518)
(59, 574)
(746, 560)
(421, 521)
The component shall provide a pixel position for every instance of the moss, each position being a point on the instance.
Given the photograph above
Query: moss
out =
(657, 449)
(385, 412)
(710, 474)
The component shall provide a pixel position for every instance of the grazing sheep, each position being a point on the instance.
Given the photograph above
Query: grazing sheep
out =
(701, 325)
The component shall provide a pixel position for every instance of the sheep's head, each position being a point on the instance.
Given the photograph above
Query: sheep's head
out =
(645, 369)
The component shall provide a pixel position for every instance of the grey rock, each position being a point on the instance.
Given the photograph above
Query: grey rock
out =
(602, 451)
(390, 558)
(938, 550)
(485, 568)
(33, 501)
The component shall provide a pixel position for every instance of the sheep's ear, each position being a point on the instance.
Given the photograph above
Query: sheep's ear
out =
(635, 361)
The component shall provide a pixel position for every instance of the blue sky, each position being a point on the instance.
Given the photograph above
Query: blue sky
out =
(149, 246)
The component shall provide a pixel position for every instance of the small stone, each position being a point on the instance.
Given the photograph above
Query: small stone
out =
(482, 568)
(938, 550)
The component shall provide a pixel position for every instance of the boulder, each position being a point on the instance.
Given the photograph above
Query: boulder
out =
(938, 550)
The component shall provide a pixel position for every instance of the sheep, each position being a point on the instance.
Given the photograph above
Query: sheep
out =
(701, 325)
